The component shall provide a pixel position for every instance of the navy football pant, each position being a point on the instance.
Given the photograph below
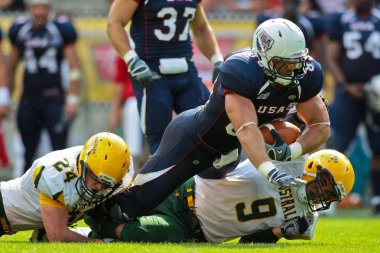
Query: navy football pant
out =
(156, 103)
(181, 155)
(34, 115)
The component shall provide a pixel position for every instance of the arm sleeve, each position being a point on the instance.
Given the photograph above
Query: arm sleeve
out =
(68, 32)
(12, 34)
(262, 236)
(313, 83)
(236, 77)
(47, 201)
(47, 181)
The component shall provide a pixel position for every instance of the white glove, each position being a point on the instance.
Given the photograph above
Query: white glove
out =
(285, 180)
(274, 176)
(139, 70)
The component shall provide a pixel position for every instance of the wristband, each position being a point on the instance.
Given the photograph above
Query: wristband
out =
(217, 57)
(4, 96)
(75, 75)
(129, 56)
(265, 168)
(72, 99)
(295, 150)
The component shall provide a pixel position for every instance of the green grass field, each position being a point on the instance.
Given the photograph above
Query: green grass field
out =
(350, 231)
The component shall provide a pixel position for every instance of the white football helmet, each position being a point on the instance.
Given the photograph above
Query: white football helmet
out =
(372, 91)
(281, 40)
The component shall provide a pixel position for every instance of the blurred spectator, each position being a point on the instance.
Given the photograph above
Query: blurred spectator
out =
(124, 110)
(353, 57)
(163, 74)
(43, 44)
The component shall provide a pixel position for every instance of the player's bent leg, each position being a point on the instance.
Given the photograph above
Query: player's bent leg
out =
(156, 228)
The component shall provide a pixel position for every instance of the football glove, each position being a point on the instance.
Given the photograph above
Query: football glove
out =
(39, 235)
(118, 215)
(140, 71)
(295, 227)
(279, 151)
(284, 180)
(216, 71)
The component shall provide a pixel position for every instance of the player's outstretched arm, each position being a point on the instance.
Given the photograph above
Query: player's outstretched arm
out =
(291, 229)
(55, 221)
(242, 114)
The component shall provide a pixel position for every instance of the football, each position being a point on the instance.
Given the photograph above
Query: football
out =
(288, 131)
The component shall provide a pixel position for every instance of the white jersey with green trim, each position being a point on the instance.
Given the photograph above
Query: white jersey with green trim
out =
(245, 202)
(54, 175)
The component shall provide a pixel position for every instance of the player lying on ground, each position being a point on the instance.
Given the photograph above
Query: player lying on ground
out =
(60, 187)
(241, 205)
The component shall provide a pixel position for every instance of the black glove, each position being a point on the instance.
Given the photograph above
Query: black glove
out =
(117, 214)
(39, 235)
(139, 70)
(284, 180)
(279, 151)
(216, 71)
(295, 227)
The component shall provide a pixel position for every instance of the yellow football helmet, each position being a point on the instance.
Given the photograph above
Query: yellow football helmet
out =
(105, 157)
(330, 177)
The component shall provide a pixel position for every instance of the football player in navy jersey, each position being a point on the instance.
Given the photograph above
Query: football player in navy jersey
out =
(164, 76)
(43, 44)
(354, 58)
(254, 87)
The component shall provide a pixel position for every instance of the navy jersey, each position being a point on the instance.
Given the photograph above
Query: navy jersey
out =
(42, 51)
(1, 34)
(360, 40)
(242, 73)
(160, 28)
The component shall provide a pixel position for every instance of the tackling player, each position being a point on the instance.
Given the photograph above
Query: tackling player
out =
(242, 205)
(255, 86)
(60, 187)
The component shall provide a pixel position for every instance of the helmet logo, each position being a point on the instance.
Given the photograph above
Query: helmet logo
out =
(95, 145)
(266, 41)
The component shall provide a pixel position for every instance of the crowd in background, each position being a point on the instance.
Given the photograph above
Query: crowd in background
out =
(312, 17)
